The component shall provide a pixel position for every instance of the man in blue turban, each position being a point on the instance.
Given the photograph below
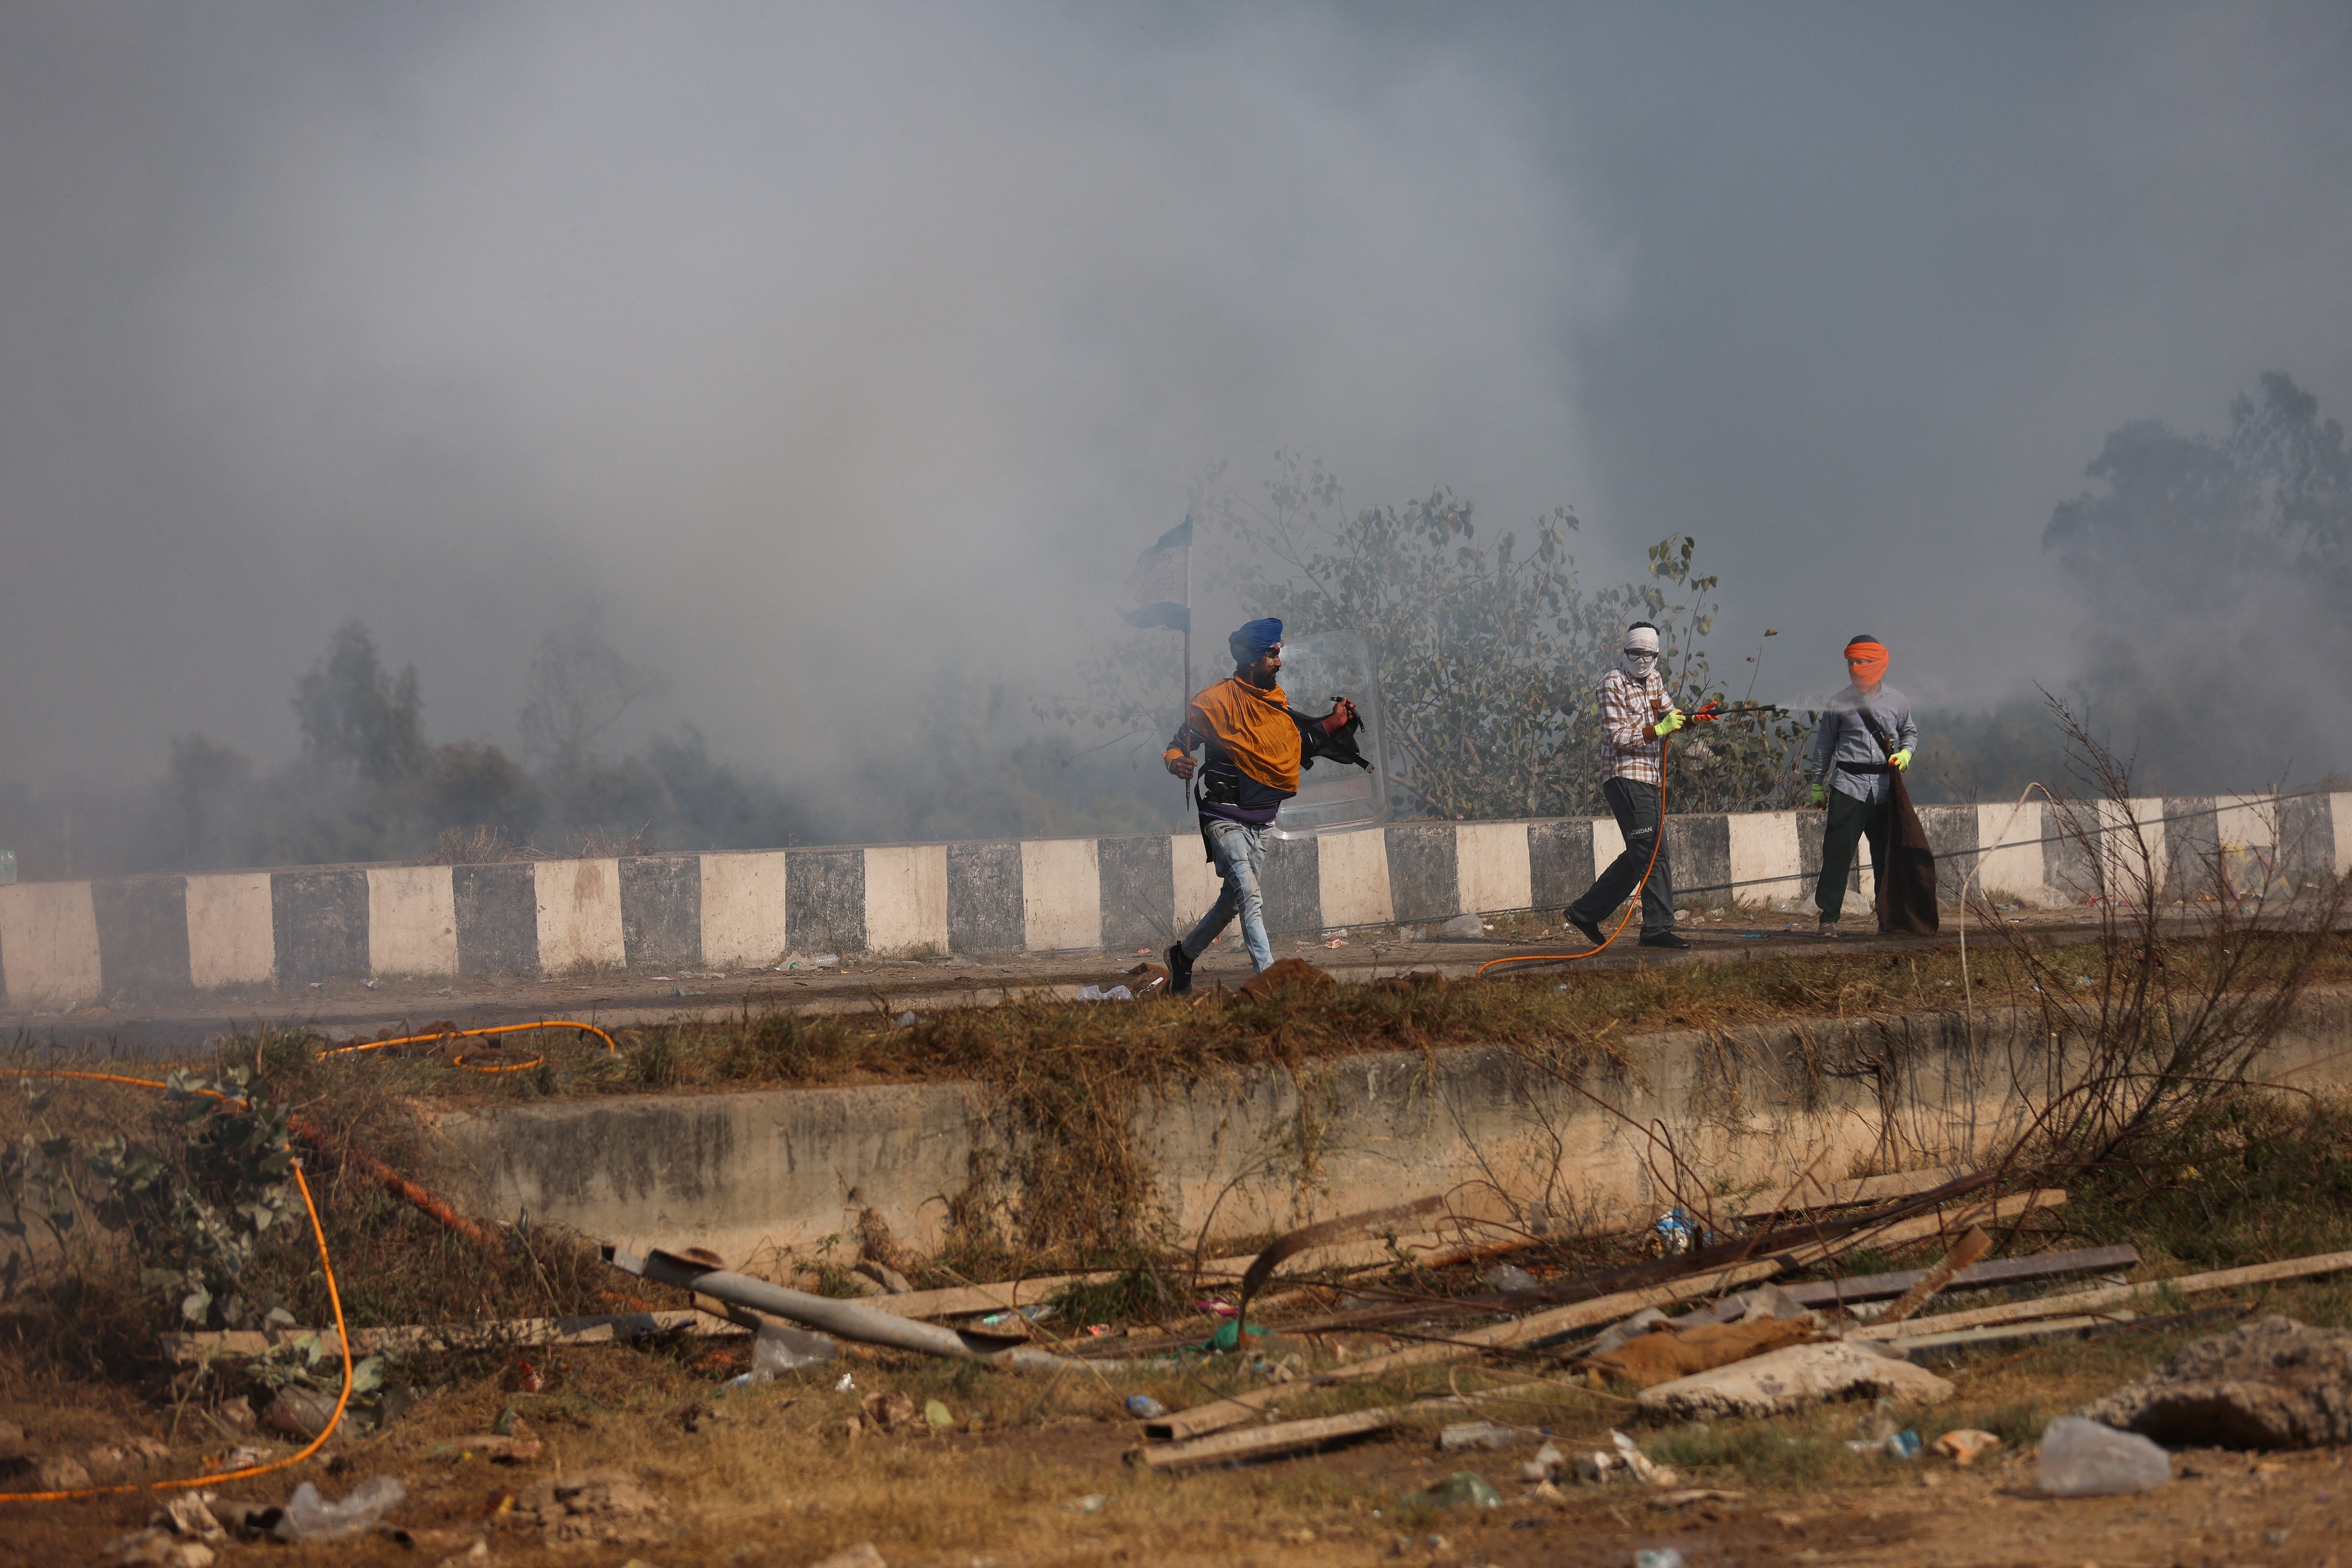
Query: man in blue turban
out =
(1255, 741)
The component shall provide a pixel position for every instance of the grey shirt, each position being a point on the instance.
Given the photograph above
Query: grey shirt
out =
(1843, 738)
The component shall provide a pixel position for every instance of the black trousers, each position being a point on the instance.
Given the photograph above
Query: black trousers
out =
(1634, 804)
(1850, 821)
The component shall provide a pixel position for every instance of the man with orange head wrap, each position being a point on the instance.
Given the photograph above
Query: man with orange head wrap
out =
(1864, 742)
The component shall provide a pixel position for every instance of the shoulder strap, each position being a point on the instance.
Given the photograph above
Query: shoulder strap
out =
(1886, 742)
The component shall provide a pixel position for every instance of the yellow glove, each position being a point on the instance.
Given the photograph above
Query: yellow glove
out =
(1820, 794)
(1901, 759)
(1673, 721)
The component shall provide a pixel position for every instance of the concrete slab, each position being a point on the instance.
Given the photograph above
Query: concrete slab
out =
(1784, 1380)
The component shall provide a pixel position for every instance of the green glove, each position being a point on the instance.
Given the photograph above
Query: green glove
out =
(1901, 759)
(1820, 794)
(1673, 721)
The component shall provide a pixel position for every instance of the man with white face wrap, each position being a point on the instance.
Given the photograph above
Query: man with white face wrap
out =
(1635, 716)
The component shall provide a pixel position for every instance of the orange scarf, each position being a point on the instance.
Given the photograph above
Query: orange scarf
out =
(1865, 663)
(1254, 725)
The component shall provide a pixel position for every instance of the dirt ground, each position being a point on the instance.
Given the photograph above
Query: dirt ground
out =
(1033, 1472)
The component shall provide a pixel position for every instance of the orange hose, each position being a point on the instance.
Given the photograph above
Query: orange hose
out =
(609, 1048)
(1632, 900)
(334, 1299)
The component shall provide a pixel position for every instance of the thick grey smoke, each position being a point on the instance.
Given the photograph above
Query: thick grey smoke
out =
(813, 354)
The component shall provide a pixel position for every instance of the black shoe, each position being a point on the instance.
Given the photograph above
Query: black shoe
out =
(1589, 931)
(1663, 939)
(1180, 971)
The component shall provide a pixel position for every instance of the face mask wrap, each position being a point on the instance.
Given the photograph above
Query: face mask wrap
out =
(1865, 662)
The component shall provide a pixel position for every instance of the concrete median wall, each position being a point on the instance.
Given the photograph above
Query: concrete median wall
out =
(1589, 1147)
(63, 944)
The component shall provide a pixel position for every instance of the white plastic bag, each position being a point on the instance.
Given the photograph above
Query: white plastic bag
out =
(309, 1517)
(2083, 1458)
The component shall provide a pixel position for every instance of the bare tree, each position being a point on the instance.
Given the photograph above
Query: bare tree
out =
(578, 687)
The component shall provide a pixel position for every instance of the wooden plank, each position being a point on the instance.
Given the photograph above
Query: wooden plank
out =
(1809, 1193)
(1471, 1343)
(1965, 1251)
(2113, 1295)
(1263, 1442)
(2000, 1271)
(1921, 1227)
(1241, 1444)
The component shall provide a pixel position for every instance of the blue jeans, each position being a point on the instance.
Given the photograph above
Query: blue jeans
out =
(1240, 855)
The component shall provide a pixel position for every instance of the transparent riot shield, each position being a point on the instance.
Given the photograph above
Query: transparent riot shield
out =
(1317, 670)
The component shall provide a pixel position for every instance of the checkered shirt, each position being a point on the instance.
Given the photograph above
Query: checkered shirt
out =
(1628, 748)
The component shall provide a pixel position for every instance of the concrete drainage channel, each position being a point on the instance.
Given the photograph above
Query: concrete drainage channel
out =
(1264, 1149)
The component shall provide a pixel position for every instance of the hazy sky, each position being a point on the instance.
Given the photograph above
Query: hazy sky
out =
(820, 350)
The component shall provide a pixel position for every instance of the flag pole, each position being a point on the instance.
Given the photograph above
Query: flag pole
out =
(1184, 701)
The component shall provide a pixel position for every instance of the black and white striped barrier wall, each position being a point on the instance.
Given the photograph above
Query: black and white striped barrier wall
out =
(66, 943)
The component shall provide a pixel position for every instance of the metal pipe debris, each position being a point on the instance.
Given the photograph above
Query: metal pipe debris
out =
(847, 1318)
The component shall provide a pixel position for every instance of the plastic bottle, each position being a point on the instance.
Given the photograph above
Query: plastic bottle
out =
(2083, 1458)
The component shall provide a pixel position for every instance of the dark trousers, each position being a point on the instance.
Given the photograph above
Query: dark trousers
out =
(1850, 819)
(1635, 806)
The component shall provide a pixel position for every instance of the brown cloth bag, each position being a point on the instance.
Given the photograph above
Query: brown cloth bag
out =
(1906, 894)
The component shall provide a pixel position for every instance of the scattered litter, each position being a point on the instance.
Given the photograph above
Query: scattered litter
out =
(1625, 1461)
(309, 1517)
(812, 961)
(887, 1410)
(1510, 1277)
(2083, 1458)
(1677, 1233)
(190, 1515)
(1336, 942)
(1963, 1444)
(155, 1548)
(936, 1412)
(368, 984)
(299, 1412)
(845, 1386)
(1042, 1312)
(905, 1020)
(1548, 1463)
(1658, 1557)
(1692, 1496)
(1093, 1503)
(1469, 926)
(1097, 994)
(2277, 1384)
(1903, 1444)
(778, 1349)
(1461, 1487)
(1478, 1435)
(1143, 1407)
